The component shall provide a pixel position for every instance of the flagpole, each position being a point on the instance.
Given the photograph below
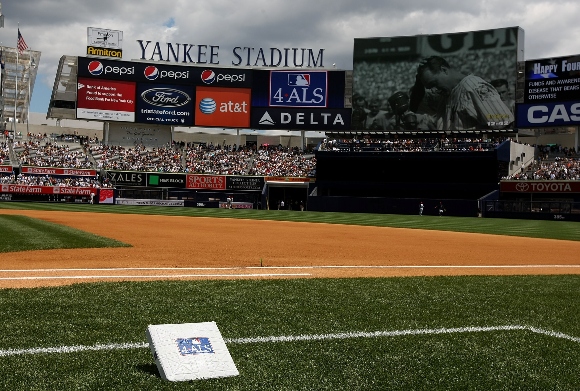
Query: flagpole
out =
(29, 97)
(16, 83)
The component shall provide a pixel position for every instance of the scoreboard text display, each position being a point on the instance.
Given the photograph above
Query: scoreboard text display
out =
(551, 93)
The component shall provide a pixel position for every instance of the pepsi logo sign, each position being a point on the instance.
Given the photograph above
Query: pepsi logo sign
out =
(208, 76)
(165, 97)
(151, 72)
(207, 106)
(95, 68)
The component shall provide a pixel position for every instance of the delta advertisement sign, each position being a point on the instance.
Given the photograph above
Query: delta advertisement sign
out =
(551, 93)
(300, 100)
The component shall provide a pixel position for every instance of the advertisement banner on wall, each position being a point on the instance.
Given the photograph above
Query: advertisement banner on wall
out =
(150, 135)
(298, 88)
(106, 100)
(303, 118)
(163, 74)
(210, 182)
(456, 81)
(551, 93)
(222, 107)
(326, 89)
(57, 171)
(166, 180)
(126, 178)
(104, 42)
(164, 104)
(255, 183)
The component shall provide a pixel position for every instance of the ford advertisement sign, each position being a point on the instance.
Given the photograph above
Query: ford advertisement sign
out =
(165, 104)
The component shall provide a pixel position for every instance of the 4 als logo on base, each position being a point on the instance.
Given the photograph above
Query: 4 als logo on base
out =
(198, 345)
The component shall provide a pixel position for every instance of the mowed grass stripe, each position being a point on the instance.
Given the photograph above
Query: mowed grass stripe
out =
(563, 230)
(22, 233)
(545, 355)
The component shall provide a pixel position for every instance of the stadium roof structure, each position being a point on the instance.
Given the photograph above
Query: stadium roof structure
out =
(64, 91)
(17, 84)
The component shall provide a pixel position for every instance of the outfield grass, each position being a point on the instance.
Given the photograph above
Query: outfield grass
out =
(21, 233)
(414, 333)
(565, 230)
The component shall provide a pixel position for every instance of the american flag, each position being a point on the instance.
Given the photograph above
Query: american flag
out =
(21, 44)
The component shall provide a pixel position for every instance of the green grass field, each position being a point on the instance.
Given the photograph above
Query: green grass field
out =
(412, 333)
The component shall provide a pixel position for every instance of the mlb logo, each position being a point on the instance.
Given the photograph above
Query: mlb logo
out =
(199, 345)
(299, 79)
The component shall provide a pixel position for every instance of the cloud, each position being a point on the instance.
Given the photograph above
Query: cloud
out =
(59, 27)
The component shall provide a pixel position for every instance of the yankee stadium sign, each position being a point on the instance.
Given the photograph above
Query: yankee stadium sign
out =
(243, 56)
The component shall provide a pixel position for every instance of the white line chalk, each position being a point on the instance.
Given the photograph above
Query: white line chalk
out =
(305, 337)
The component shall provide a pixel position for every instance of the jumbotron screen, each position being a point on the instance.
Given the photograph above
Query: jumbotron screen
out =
(458, 81)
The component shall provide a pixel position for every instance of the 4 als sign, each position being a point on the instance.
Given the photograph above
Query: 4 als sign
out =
(298, 89)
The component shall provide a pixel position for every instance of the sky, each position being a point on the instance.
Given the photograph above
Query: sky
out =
(59, 27)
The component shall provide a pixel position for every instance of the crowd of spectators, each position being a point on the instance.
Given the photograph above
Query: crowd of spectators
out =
(47, 154)
(278, 161)
(217, 160)
(4, 153)
(411, 145)
(553, 163)
(50, 180)
(558, 169)
(138, 158)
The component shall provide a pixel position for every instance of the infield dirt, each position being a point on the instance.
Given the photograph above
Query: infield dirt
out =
(174, 247)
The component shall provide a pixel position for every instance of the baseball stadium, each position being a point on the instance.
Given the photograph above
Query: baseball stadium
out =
(420, 233)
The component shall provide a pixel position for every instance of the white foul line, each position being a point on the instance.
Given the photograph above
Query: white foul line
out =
(296, 267)
(156, 276)
(292, 338)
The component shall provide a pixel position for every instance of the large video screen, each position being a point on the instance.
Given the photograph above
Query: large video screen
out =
(455, 82)
(551, 93)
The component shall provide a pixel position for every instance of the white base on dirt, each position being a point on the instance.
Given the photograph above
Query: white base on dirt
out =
(190, 351)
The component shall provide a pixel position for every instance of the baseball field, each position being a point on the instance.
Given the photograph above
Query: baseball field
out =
(304, 300)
